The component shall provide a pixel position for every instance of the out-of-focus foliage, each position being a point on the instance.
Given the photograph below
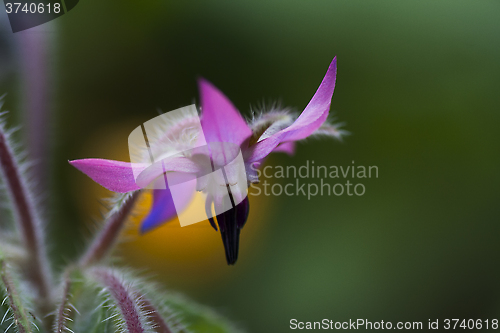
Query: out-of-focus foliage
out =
(6, 48)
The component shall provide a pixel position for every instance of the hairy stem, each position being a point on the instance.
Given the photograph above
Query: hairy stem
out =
(27, 219)
(106, 239)
(20, 318)
(123, 297)
(64, 309)
(155, 317)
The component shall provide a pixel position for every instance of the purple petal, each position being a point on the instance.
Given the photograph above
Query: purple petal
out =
(221, 121)
(116, 176)
(309, 120)
(164, 209)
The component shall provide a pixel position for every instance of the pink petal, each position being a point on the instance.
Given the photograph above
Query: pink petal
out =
(221, 121)
(286, 147)
(309, 120)
(116, 176)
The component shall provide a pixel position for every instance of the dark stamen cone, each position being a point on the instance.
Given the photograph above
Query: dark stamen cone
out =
(230, 224)
(243, 210)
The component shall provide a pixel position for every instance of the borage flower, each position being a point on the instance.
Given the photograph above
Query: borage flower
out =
(225, 135)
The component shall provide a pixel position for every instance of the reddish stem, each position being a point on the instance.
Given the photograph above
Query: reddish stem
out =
(155, 317)
(123, 298)
(106, 239)
(18, 313)
(62, 314)
(27, 219)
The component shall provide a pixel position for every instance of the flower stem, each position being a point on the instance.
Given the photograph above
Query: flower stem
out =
(20, 318)
(123, 297)
(155, 317)
(64, 310)
(106, 239)
(27, 219)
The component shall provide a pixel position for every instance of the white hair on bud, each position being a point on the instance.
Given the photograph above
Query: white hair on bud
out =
(268, 120)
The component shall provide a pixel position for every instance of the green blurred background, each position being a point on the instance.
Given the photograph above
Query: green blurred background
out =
(417, 86)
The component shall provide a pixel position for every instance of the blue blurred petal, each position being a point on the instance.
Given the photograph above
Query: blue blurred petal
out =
(163, 210)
